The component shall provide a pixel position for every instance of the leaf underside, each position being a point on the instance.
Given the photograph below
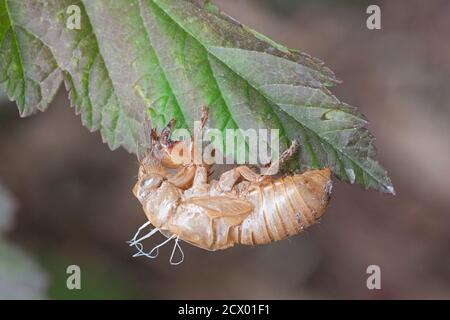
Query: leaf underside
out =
(167, 58)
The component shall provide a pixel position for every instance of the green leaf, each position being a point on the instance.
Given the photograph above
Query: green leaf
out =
(167, 58)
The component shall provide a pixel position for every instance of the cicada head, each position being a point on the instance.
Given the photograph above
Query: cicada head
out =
(170, 154)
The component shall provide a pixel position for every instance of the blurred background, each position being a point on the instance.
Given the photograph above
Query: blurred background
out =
(66, 199)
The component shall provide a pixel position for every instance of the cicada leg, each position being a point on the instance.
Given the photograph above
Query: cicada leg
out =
(200, 185)
(286, 155)
(166, 132)
(229, 179)
(196, 146)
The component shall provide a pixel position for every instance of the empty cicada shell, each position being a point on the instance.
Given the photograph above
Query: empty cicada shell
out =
(241, 207)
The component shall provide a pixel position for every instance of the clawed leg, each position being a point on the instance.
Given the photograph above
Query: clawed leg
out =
(164, 137)
(183, 158)
(198, 130)
(286, 155)
(200, 184)
(229, 179)
(196, 146)
(165, 134)
(204, 116)
(201, 176)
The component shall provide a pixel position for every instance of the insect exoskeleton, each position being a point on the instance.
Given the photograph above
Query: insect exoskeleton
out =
(241, 207)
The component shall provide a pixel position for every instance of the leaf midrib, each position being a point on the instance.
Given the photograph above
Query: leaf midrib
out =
(144, 27)
(211, 72)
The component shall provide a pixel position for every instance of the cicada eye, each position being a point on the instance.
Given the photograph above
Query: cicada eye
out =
(147, 185)
(151, 181)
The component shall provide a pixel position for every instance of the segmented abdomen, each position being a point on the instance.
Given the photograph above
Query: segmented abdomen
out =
(284, 207)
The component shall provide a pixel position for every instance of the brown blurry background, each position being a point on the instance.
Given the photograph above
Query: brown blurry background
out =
(74, 203)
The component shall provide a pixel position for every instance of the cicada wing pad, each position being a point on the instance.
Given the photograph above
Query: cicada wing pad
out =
(232, 210)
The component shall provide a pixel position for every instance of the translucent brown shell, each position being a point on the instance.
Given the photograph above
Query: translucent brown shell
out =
(241, 207)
